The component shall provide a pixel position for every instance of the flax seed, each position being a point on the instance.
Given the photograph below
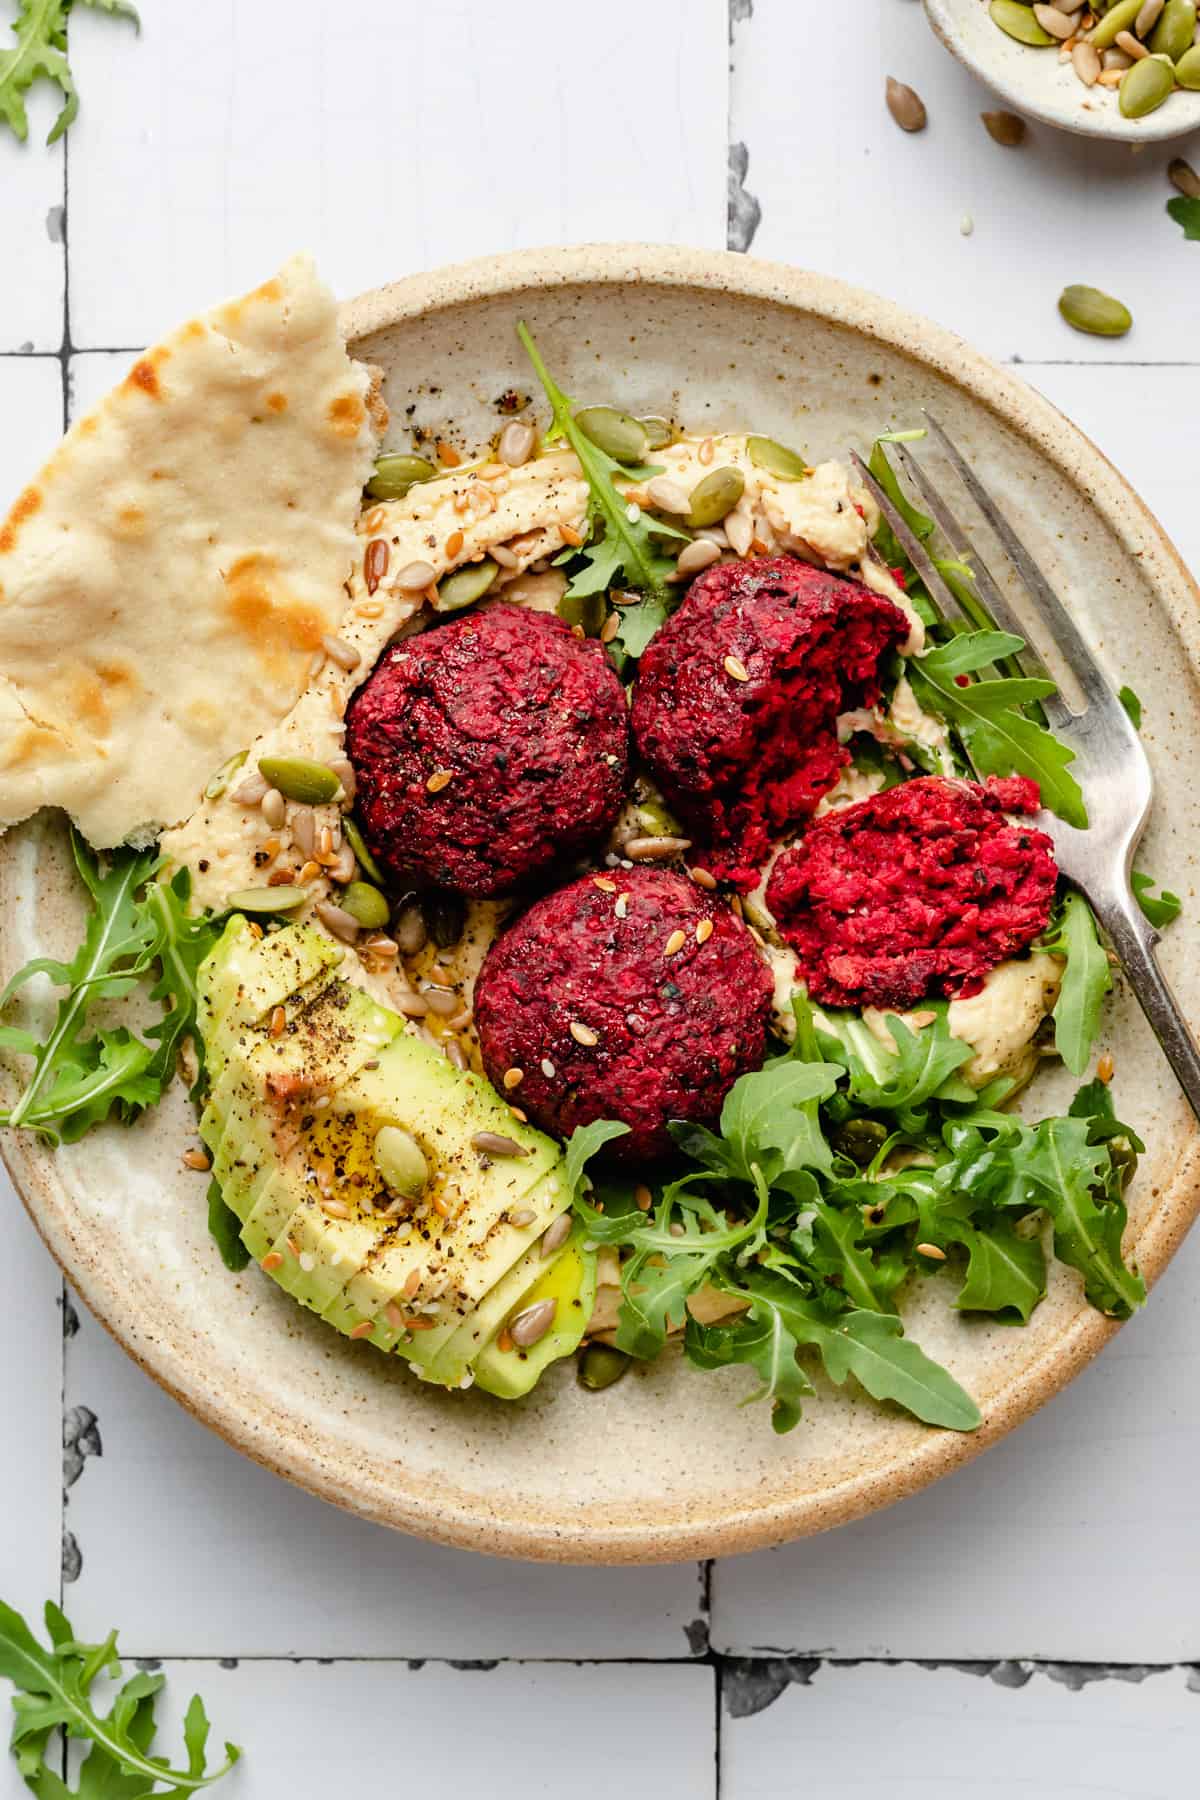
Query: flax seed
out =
(513, 1078)
(271, 1261)
(439, 779)
(454, 543)
(278, 1022)
(932, 1252)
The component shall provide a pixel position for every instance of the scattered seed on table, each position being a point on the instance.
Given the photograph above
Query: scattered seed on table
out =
(905, 105)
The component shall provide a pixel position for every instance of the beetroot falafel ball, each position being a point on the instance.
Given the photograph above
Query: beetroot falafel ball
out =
(487, 749)
(738, 693)
(639, 998)
(917, 891)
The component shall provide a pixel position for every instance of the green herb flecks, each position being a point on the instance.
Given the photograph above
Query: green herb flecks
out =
(625, 552)
(40, 52)
(138, 930)
(54, 1692)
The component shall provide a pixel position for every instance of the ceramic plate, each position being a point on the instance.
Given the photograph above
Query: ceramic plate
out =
(666, 1464)
(1039, 84)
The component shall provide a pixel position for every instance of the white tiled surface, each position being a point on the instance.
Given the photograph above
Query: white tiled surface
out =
(222, 139)
(911, 1733)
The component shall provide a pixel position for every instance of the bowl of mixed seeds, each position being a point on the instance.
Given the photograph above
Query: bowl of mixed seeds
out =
(1128, 70)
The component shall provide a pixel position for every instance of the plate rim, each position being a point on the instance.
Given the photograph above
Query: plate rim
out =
(318, 1461)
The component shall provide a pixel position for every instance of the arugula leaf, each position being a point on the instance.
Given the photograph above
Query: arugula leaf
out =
(770, 1117)
(41, 51)
(626, 551)
(839, 1252)
(1132, 705)
(1066, 1171)
(1006, 1271)
(921, 1064)
(1086, 979)
(225, 1228)
(767, 1346)
(582, 1145)
(998, 735)
(1163, 908)
(54, 1692)
(868, 1345)
(1186, 212)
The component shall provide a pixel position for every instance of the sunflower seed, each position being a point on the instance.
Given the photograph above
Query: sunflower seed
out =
(530, 1326)
(494, 1143)
(557, 1235)
(906, 105)
(516, 444)
(1006, 128)
(342, 924)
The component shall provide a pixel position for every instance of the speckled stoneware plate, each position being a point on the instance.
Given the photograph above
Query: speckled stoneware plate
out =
(665, 1465)
(1039, 84)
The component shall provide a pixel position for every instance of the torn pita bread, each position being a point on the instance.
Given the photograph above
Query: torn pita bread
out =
(168, 577)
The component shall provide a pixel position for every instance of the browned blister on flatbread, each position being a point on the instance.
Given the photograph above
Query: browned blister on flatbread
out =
(167, 578)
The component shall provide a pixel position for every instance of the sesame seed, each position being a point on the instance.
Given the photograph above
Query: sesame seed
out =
(271, 1261)
(547, 1068)
(604, 884)
(504, 1341)
(513, 1078)
(308, 1261)
(622, 906)
(442, 1206)
(674, 943)
(363, 1329)
(703, 879)
(336, 1209)
(932, 1252)
(736, 669)
(582, 1035)
(438, 780)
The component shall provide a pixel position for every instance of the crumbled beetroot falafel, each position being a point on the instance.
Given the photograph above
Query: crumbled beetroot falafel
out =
(663, 1026)
(917, 891)
(744, 760)
(524, 728)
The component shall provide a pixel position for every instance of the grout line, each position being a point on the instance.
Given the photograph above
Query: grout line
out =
(717, 1660)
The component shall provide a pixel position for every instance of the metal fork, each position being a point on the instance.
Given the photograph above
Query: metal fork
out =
(1110, 763)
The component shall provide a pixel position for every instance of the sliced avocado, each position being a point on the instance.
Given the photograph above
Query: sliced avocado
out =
(571, 1283)
(246, 975)
(460, 1347)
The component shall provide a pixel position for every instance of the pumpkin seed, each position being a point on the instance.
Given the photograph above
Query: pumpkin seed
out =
(358, 844)
(401, 1162)
(656, 821)
(224, 775)
(1146, 86)
(267, 900)
(1187, 69)
(366, 904)
(618, 434)
(1018, 21)
(585, 610)
(1175, 31)
(600, 1365)
(776, 459)
(1121, 17)
(658, 432)
(715, 497)
(466, 585)
(1087, 309)
(905, 105)
(1182, 176)
(297, 778)
(861, 1140)
(1004, 128)
(395, 474)
(445, 916)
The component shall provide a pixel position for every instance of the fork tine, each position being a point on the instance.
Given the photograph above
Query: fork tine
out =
(943, 597)
(995, 603)
(1054, 614)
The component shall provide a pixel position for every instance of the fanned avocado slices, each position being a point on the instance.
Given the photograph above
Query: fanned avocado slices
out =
(307, 1070)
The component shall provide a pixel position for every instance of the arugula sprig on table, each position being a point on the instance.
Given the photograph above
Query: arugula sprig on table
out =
(621, 547)
(54, 1686)
(810, 1246)
(138, 932)
(40, 52)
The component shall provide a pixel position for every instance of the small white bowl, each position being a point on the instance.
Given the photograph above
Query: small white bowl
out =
(1037, 83)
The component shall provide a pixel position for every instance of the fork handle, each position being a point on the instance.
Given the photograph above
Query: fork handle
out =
(1133, 938)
